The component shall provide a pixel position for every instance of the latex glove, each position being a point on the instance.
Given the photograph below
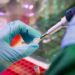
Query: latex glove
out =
(17, 27)
(69, 37)
(8, 55)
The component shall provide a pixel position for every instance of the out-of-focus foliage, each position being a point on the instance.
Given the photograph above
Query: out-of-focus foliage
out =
(48, 50)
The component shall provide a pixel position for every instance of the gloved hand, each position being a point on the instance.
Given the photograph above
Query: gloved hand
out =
(70, 13)
(17, 27)
(69, 37)
(8, 55)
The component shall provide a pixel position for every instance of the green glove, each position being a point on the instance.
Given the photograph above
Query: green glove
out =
(8, 55)
(18, 27)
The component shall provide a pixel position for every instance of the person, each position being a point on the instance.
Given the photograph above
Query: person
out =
(8, 54)
(64, 62)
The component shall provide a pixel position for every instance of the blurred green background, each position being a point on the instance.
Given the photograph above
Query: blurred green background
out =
(54, 10)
